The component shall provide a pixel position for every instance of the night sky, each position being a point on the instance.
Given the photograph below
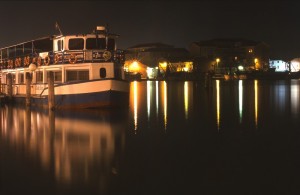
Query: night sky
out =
(177, 23)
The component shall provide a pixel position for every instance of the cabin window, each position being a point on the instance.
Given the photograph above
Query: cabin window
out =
(11, 52)
(57, 76)
(21, 77)
(19, 50)
(27, 48)
(4, 53)
(60, 44)
(102, 72)
(77, 75)
(93, 43)
(76, 44)
(39, 76)
(43, 45)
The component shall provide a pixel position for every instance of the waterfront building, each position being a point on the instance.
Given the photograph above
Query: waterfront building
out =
(223, 55)
(155, 60)
(279, 65)
(295, 65)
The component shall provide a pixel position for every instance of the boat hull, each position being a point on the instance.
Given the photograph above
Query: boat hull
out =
(91, 94)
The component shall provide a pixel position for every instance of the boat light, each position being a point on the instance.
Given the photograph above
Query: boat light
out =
(32, 67)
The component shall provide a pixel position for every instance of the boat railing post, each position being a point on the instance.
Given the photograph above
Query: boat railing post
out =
(51, 102)
(28, 88)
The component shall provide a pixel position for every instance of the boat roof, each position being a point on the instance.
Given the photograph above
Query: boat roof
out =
(57, 36)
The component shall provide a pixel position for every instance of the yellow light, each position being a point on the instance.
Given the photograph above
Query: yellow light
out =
(163, 64)
(218, 60)
(134, 66)
(255, 60)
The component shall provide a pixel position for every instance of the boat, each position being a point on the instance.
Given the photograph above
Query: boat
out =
(87, 71)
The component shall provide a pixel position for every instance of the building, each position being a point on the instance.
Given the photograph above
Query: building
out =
(229, 55)
(279, 65)
(295, 65)
(153, 60)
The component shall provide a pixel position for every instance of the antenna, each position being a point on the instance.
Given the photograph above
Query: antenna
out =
(57, 27)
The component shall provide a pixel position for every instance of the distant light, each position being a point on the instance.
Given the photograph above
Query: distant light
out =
(100, 28)
(134, 66)
(240, 67)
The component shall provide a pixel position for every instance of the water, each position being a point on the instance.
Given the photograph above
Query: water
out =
(235, 137)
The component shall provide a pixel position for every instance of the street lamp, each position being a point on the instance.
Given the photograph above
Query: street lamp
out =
(255, 63)
(218, 60)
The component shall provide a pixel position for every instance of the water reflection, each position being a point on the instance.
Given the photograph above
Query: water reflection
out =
(241, 99)
(82, 148)
(186, 99)
(165, 105)
(256, 101)
(135, 104)
(218, 103)
(295, 98)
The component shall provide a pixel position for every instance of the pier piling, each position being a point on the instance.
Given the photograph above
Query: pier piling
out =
(28, 89)
(51, 102)
(9, 87)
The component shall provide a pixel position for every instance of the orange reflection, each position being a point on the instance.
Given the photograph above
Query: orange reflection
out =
(256, 101)
(165, 105)
(135, 104)
(186, 99)
(218, 103)
(71, 146)
(149, 91)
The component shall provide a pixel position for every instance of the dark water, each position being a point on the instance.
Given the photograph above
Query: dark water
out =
(239, 137)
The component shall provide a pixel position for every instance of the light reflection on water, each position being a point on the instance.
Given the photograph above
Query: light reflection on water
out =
(93, 147)
(72, 148)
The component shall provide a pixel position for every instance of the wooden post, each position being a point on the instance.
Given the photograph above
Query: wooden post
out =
(9, 87)
(51, 101)
(28, 88)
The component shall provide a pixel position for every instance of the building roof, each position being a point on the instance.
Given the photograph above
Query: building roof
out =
(151, 45)
(231, 42)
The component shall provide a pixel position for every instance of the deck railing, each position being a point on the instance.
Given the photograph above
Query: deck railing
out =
(62, 57)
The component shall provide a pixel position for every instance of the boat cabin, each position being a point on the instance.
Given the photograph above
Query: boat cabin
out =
(71, 58)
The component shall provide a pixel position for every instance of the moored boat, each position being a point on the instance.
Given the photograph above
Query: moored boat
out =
(87, 68)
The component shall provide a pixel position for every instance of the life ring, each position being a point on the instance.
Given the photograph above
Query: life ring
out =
(26, 61)
(107, 55)
(39, 61)
(17, 62)
(73, 58)
(46, 60)
(10, 63)
(56, 59)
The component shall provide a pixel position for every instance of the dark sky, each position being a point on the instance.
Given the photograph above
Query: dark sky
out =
(178, 23)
